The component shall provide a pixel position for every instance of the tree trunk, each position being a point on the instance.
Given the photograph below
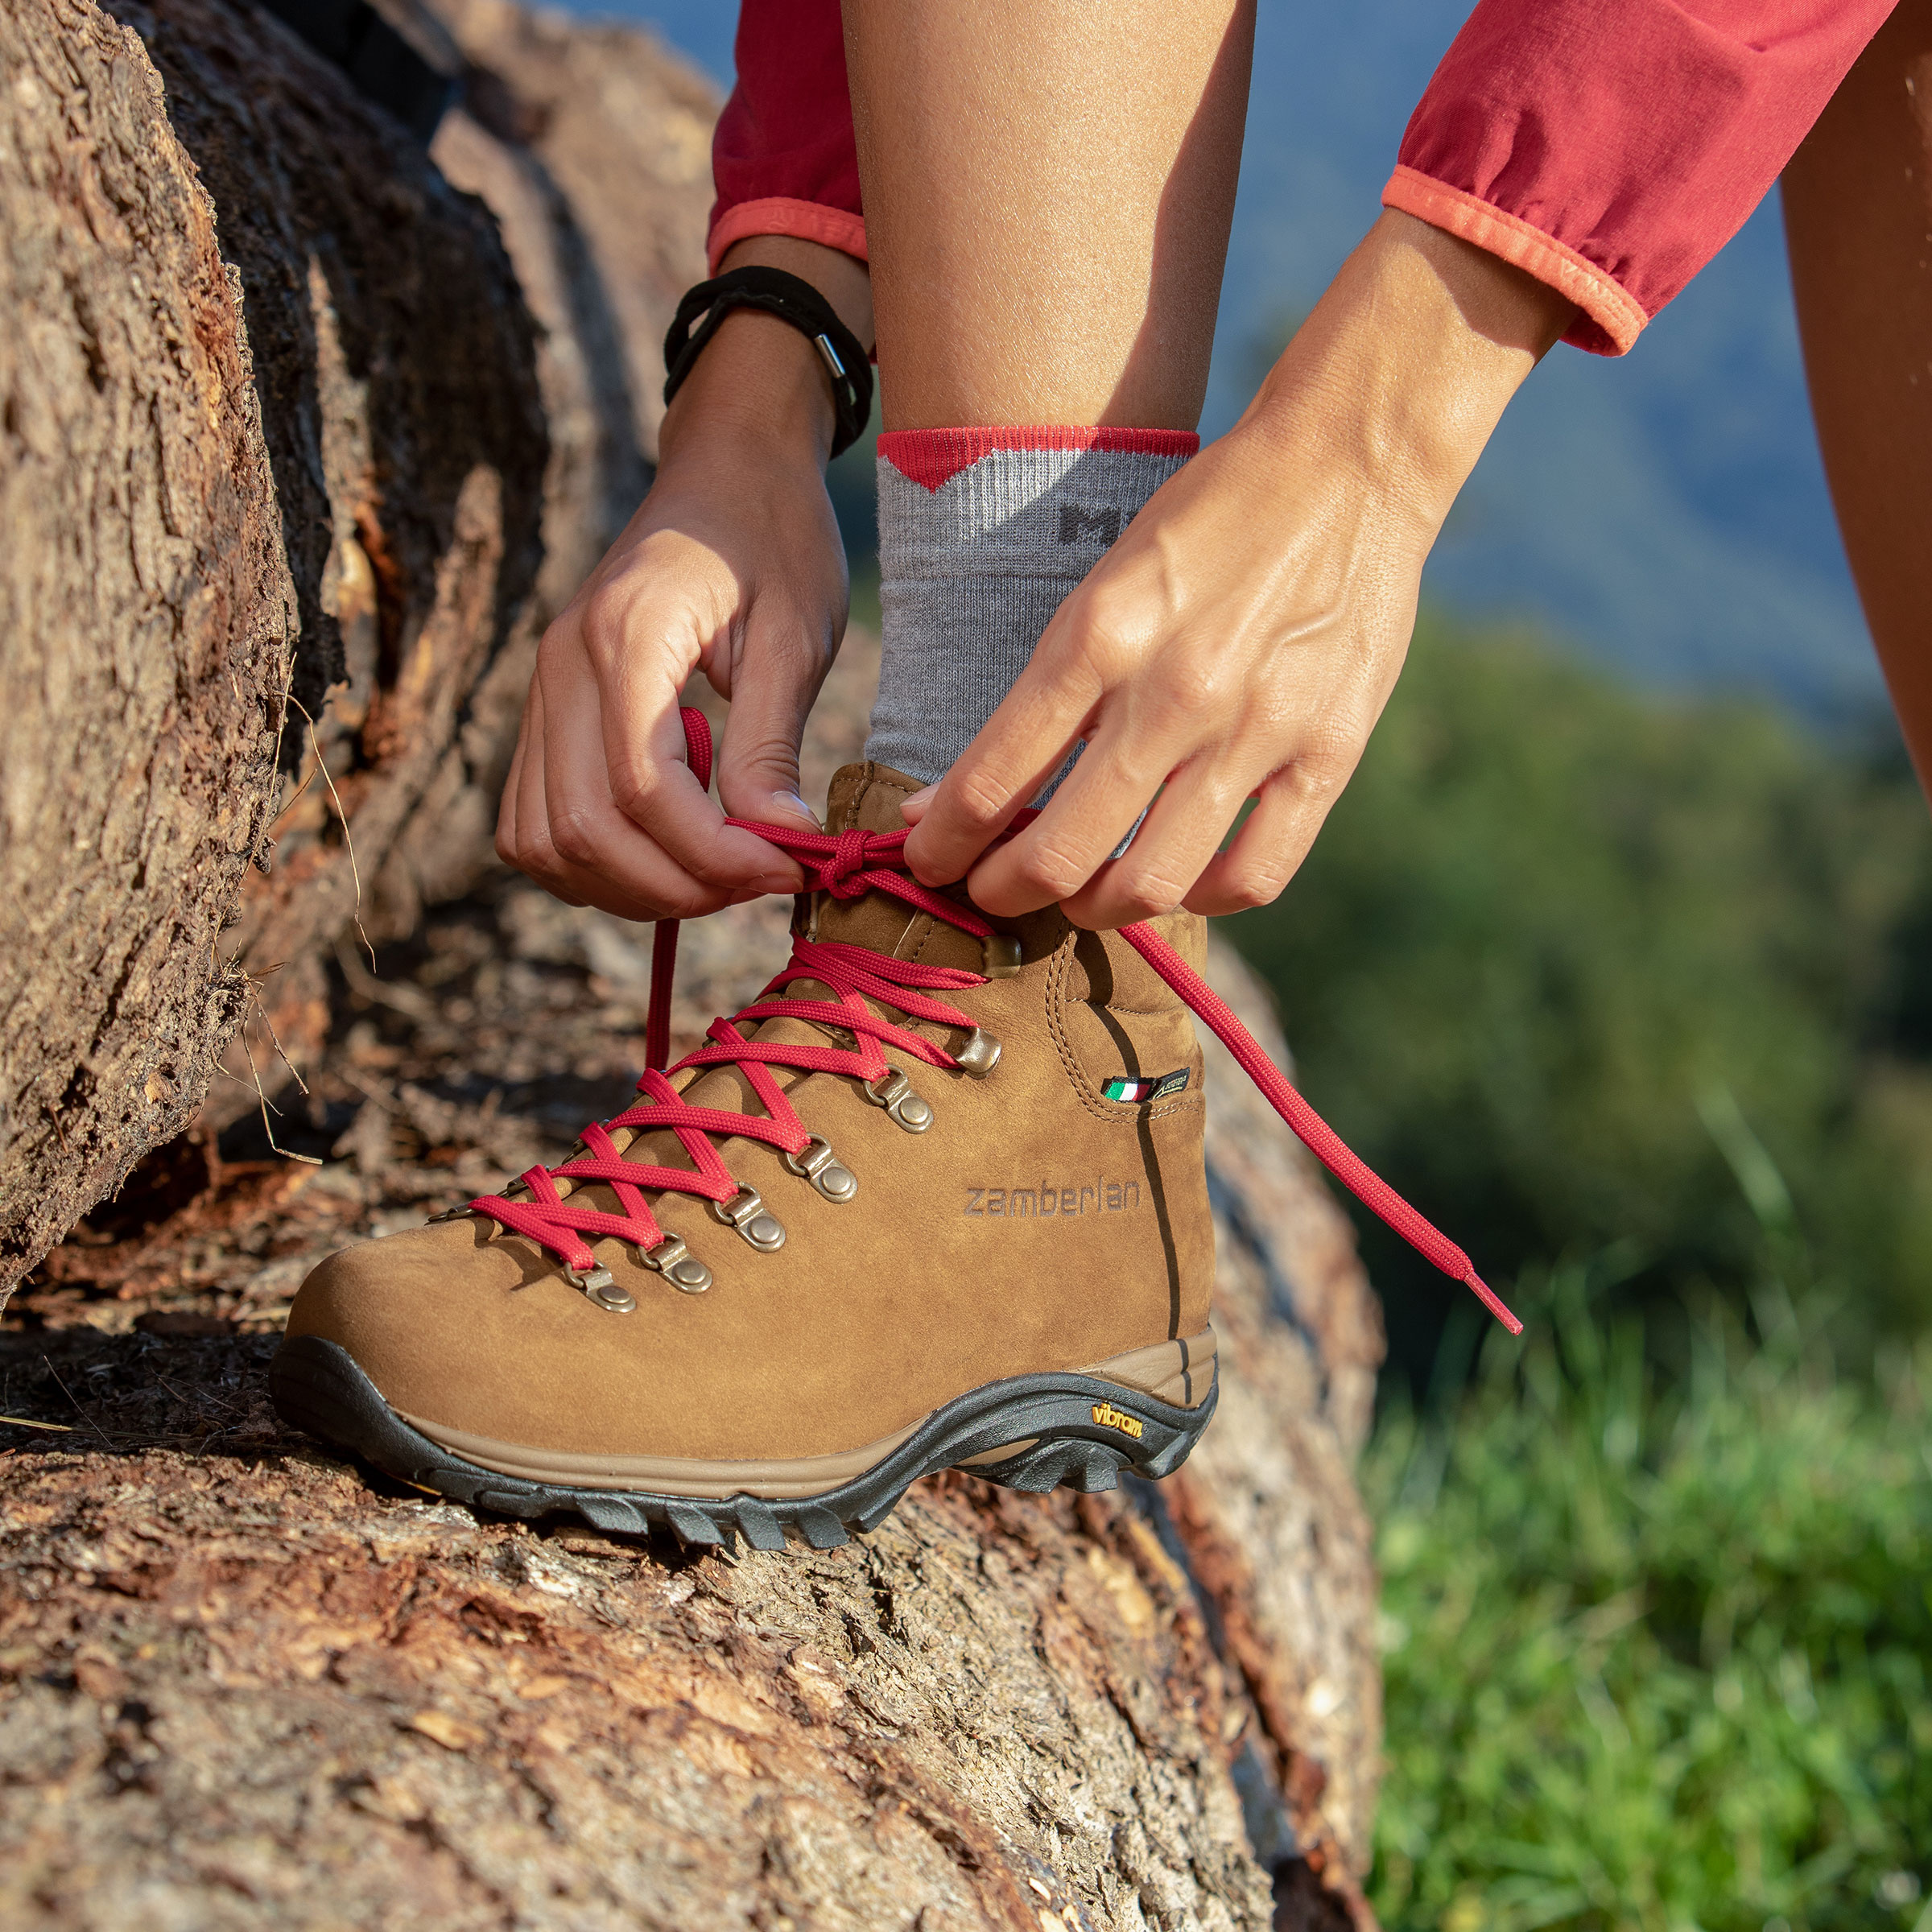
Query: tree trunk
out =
(147, 615)
(426, 477)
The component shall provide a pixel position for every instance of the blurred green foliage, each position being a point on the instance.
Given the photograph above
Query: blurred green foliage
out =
(1557, 938)
(1657, 1640)
(1586, 972)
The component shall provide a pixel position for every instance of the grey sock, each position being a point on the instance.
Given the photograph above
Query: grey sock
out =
(982, 533)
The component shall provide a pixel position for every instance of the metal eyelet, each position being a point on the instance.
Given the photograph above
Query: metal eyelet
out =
(979, 1056)
(679, 1266)
(894, 1092)
(601, 1290)
(1004, 957)
(818, 1164)
(746, 1211)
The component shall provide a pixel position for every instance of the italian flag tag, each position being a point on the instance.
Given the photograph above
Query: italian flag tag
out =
(1158, 1088)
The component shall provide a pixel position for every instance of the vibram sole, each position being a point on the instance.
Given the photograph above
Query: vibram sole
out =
(1034, 1432)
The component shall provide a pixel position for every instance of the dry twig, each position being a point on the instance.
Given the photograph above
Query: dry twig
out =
(355, 872)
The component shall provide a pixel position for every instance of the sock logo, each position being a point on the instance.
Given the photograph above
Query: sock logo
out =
(1110, 1418)
(1079, 526)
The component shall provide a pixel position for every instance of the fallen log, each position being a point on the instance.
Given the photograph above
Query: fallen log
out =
(231, 1666)
(1164, 1702)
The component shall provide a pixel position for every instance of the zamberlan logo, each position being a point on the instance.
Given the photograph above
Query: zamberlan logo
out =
(1110, 1418)
(1098, 1196)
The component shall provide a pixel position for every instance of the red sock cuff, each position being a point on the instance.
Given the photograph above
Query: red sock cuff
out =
(930, 457)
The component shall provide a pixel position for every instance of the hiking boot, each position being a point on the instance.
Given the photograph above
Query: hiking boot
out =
(936, 1199)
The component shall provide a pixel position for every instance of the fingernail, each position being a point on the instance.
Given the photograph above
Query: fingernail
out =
(777, 881)
(920, 799)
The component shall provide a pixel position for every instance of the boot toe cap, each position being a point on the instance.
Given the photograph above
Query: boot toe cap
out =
(431, 1316)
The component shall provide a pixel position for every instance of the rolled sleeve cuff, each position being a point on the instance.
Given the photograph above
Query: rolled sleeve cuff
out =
(805, 221)
(1613, 319)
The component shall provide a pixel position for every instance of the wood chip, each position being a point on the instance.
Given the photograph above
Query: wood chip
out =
(452, 1733)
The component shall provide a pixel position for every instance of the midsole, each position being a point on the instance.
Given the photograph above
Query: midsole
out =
(1179, 1373)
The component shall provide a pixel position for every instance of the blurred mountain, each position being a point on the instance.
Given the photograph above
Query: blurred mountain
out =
(1666, 511)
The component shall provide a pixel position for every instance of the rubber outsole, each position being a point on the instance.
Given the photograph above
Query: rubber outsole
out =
(318, 1387)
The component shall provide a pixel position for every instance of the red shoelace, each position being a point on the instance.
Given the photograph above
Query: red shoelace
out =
(847, 866)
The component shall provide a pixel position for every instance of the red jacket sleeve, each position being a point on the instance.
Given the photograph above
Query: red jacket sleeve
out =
(783, 157)
(1611, 147)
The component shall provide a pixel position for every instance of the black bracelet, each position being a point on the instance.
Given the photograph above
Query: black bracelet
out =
(791, 301)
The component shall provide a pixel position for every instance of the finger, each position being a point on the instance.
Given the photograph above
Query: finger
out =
(532, 851)
(640, 750)
(506, 805)
(1027, 739)
(777, 684)
(537, 852)
(1111, 783)
(1174, 845)
(1267, 850)
(602, 854)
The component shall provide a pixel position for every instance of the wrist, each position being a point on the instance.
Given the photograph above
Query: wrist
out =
(1406, 364)
(759, 382)
(759, 387)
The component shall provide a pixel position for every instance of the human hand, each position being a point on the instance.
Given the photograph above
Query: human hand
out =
(731, 566)
(1242, 635)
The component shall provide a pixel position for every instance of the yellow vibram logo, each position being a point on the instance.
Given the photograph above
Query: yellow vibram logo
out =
(1110, 1418)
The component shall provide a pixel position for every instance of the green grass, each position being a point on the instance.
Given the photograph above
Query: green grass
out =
(1657, 1636)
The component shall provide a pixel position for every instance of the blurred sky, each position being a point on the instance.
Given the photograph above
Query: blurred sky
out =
(1665, 511)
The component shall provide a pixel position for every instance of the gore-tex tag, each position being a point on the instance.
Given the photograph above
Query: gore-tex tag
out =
(1157, 1088)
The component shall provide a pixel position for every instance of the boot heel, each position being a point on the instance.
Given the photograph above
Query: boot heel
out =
(1073, 1441)
(1086, 1467)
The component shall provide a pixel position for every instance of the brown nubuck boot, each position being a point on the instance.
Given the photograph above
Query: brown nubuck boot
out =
(936, 1200)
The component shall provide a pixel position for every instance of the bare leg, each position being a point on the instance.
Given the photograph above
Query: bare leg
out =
(1048, 191)
(1857, 213)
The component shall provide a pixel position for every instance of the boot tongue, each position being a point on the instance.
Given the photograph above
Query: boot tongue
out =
(866, 798)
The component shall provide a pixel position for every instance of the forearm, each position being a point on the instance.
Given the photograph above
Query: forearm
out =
(1399, 378)
(1857, 207)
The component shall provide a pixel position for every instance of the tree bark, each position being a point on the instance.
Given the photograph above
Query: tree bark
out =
(397, 362)
(592, 147)
(147, 614)
(238, 1677)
